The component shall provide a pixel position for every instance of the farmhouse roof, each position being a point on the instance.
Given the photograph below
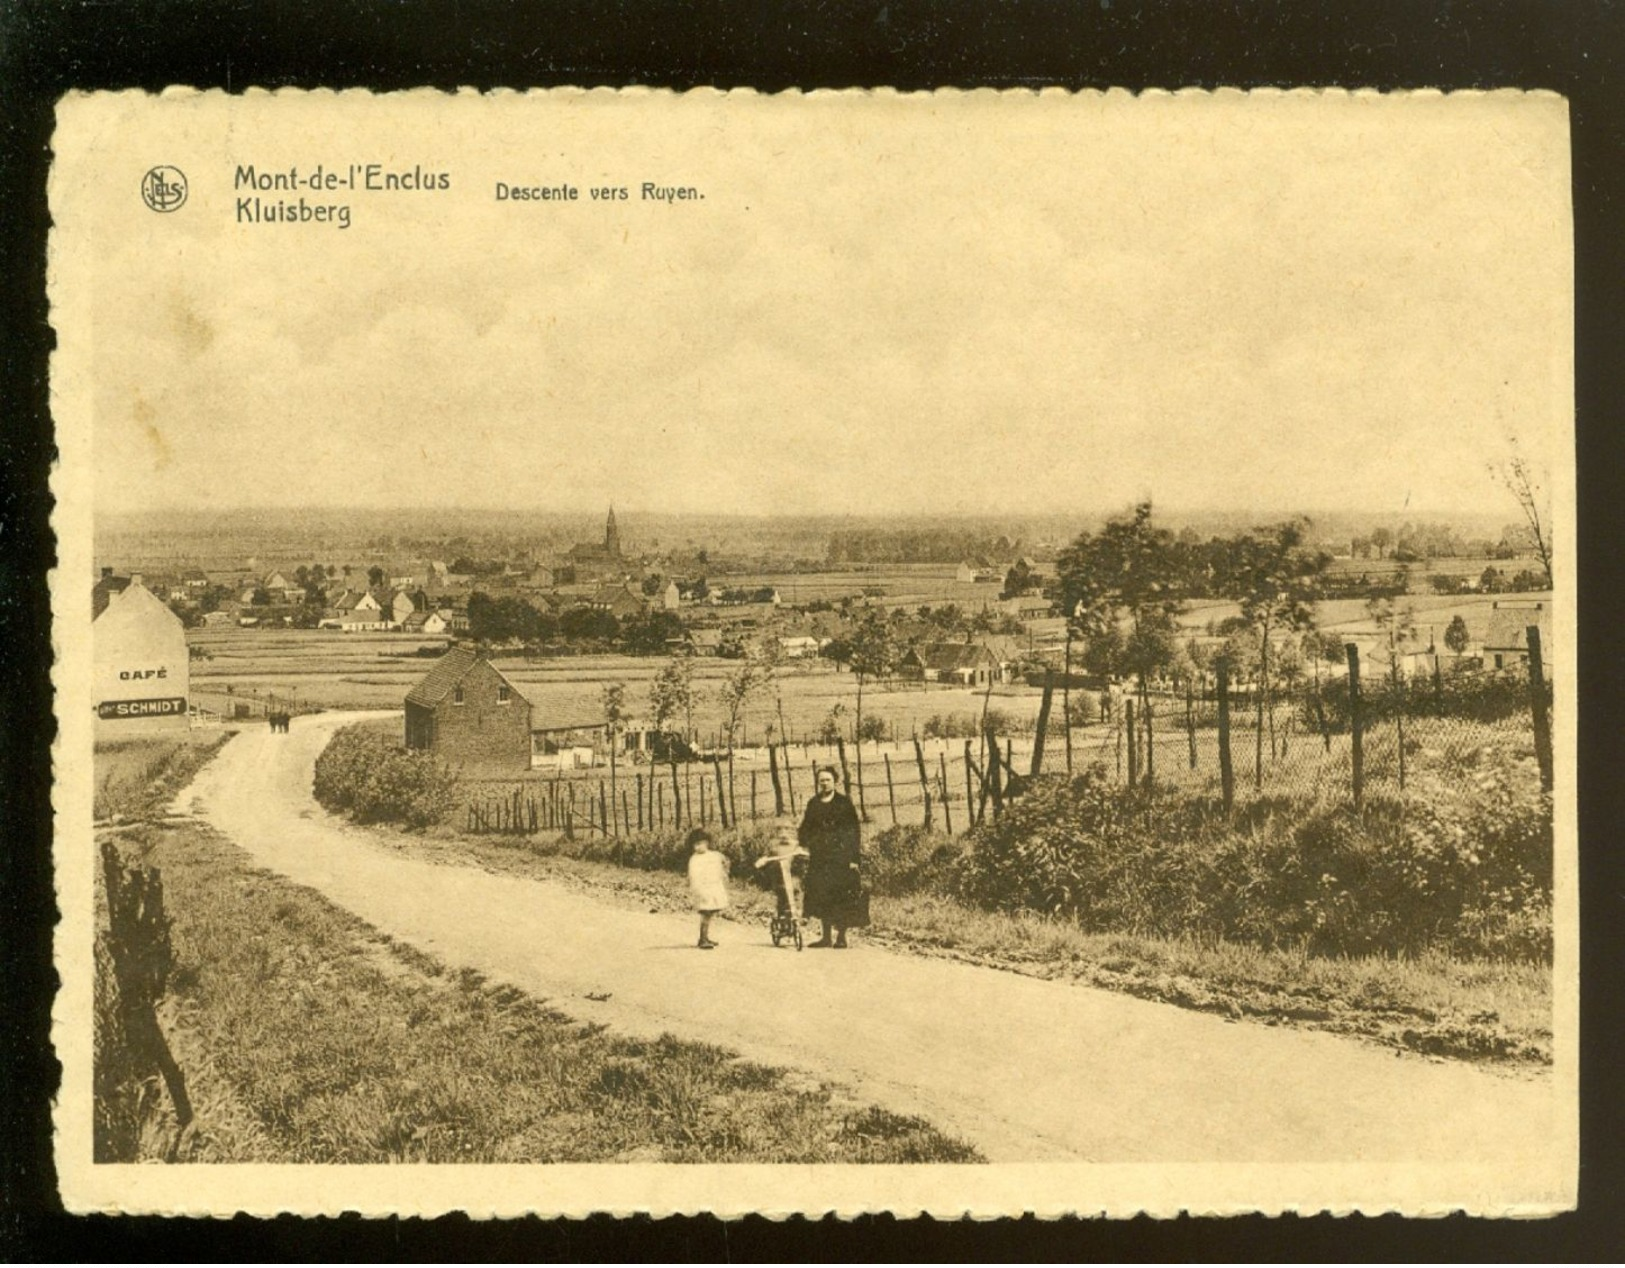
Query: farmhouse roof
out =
(448, 671)
(1508, 628)
(950, 656)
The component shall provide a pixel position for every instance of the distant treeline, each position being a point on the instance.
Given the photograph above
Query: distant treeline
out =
(917, 546)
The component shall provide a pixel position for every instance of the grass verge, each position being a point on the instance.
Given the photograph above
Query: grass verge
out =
(137, 777)
(1491, 1011)
(308, 1036)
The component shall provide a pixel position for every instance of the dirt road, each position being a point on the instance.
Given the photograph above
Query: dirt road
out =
(1027, 1069)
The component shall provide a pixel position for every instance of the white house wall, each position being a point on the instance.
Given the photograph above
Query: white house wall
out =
(142, 674)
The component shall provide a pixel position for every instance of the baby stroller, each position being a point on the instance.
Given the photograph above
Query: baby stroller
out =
(785, 871)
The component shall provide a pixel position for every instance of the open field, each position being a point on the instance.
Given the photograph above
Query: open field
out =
(328, 670)
(1349, 618)
(898, 584)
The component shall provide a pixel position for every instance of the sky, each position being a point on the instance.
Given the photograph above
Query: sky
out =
(969, 303)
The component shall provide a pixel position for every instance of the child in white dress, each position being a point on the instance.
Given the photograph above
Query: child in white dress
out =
(707, 881)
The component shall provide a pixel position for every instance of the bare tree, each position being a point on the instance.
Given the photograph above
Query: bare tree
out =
(614, 702)
(1519, 479)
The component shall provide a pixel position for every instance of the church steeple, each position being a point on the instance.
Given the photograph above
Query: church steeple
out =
(612, 536)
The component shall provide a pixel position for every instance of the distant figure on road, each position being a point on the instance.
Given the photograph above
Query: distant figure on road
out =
(707, 882)
(830, 835)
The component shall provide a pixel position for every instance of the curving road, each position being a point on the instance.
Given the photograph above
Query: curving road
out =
(1029, 1070)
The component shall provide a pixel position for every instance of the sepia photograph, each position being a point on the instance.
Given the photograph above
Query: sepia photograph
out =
(954, 652)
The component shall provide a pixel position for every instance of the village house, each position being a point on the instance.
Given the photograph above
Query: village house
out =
(1506, 641)
(705, 642)
(671, 598)
(620, 601)
(968, 664)
(800, 646)
(142, 667)
(398, 606)
(467, 713)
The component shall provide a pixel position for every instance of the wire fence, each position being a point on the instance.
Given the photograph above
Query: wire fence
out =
(1332, 739)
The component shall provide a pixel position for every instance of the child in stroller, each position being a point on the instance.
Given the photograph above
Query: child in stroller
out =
(786, 862)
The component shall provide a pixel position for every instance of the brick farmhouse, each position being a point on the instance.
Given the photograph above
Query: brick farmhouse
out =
(466, 712)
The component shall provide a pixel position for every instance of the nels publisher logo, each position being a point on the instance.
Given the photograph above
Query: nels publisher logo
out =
(164, 188)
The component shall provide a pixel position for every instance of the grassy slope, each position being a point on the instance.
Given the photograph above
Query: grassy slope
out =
(307, 1036)
(1498, 1012)
(136, 777)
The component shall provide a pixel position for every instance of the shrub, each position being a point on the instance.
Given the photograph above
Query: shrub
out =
(1469, 875)
(365, 774)
(1470, 696)
(906, 858)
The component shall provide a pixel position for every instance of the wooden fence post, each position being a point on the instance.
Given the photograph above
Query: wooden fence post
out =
(789, 779)
(1227, 774)
(723, 818)
(1150, 745)
(891, 793)
(773, 773)
(753, 794)
(626, 817)
(1133, 744)
(1042, 724)
(1401, 699)
(970, 797)
(640, 801)
(1190, 721)
(1538, 706)
(138, 944)
(1356, 727)
(995, 777)
(705, 805)
(919, 761)
(863, 808)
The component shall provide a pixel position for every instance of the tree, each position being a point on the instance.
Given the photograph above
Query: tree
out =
(589, 625)
(1455, 635)
(1277, 578)
(650, 633)
(1520, 480)
(1396, 623)
(671, 696)
(748, 680)
(1121, 588)
(874, 654)
(1018, 581)
(375, 576)
(614, 704)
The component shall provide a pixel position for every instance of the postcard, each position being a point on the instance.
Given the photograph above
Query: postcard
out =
(959, 652)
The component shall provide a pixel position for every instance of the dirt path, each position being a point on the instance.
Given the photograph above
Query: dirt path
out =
(1027, 1069)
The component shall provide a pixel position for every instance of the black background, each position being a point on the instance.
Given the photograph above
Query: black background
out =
(48, 48)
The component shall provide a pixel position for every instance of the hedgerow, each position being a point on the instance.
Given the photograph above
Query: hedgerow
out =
(365, 774)
(1466, 875)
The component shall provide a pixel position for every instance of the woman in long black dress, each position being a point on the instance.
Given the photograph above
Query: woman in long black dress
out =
(830, 835)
